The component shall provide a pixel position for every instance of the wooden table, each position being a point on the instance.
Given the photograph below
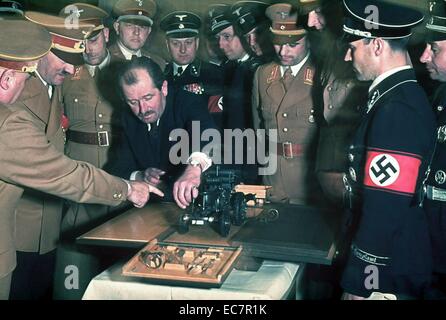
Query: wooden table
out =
(299, 234)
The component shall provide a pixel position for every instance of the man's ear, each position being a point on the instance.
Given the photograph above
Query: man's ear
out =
(6, 79)
(116, 27)
(164, 88)
(106, 32)
(198, 42)
(378, 46)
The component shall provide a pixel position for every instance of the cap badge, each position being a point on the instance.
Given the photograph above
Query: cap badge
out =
(237, 12)
(139, 2)
(181, 17)
(431, 5)
(282, 27)
(140, 13)
(78, 12)
(283, 15)
(181, 26)
(242, 21)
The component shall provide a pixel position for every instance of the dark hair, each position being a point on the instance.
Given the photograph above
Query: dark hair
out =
(127, 76)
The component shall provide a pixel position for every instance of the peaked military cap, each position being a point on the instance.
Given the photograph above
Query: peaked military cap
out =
(181, 24)
(436, 23)
(248, 14)
(68, 41)
(22, 44)
(306, 6)
(378, 19)
(220, 17)
(135, 11)
(284, 23)
(86, 13)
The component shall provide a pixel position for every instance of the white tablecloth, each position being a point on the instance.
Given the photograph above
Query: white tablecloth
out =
(273, 281)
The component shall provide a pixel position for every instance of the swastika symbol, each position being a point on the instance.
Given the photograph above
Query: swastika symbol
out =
(384, 170)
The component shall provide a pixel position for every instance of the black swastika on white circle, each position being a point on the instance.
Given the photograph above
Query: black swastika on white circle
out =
(384, 170)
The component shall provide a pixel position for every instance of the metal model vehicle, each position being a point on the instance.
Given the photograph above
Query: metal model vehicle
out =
(217, 202)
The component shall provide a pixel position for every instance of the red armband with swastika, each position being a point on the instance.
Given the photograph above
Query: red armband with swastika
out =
(392, 171)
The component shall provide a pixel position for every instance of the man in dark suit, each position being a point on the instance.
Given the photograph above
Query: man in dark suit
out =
(157, 109)
(186, 71)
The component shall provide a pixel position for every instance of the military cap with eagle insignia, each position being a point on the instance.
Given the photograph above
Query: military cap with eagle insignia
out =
(135, 11)
(284, 23)
(306, 6)
(10, 10)
(436, 22)
(181, 24)
(22, 44)
(378, 19)
(248, 15)
(86, 13)
(68, 41)
(220, 17)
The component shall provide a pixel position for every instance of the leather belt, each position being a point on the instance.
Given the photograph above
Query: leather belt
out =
(437, 194)
(101, 138)
(289, 150)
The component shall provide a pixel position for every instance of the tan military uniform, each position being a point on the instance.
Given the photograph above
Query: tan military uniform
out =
(38, 215)
(291, 113)
(118, 56)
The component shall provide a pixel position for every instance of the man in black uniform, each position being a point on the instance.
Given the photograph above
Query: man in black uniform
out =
(434, 56)
(390, 255)
(238, 82)
(187, 71)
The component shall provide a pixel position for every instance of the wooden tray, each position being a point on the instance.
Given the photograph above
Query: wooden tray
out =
(201, 265)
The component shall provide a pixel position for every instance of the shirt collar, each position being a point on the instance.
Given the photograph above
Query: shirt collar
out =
(91, 69)
(244, 58)
(176, 66)
(48, 86)
(296, 68)
(385, 75)
(127, 52)
(149, 125)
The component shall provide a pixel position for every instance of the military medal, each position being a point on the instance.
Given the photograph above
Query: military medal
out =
(440, 177)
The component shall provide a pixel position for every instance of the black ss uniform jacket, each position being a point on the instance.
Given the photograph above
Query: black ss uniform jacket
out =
(204, 79)
(388, 159)
(436, 209)
(137, 151)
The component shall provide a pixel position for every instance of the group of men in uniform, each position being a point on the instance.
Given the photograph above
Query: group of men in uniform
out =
(374, 149)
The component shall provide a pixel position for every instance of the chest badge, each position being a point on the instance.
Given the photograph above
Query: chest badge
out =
(440, 177)
(441, 134)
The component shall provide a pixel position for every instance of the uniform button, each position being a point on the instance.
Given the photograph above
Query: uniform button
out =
(101, 126)
(440, 108)
(76, 100)
(100, 115)
(285, 114)
(329, 88)
(351, 157)
(352, 173)
(285, 129)
(330, 107)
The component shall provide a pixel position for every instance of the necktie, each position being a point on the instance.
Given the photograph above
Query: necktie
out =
(179, 71)
(287, 78)
(154, 139)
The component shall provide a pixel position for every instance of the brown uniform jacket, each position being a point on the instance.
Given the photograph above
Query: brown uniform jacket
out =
(117, 55)
(41, 165)
(91, 107)
(291, 113)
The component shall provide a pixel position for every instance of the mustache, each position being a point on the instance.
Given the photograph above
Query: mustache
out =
(146, 114)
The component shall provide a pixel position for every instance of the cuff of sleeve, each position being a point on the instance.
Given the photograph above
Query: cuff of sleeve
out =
(129, 187)
(200, 158)
(133, 175)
